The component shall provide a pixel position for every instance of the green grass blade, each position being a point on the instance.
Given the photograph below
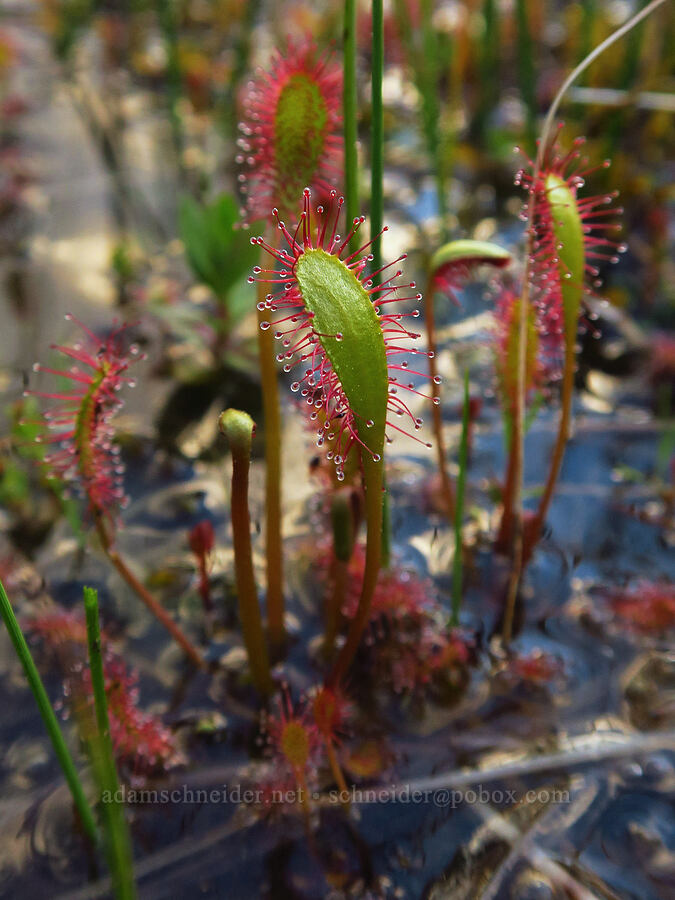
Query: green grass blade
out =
(377, 135)
(117, 839)
(349, 115)
(526, 70)
(48, 717)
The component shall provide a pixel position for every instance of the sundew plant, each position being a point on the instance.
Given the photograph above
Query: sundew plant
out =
(363, 490)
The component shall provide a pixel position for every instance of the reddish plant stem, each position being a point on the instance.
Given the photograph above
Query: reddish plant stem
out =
(505, 535)
(513, 512)
(334, 604)
(558, 453)
(337, 772)
(304, 796)
(447, 490)
(373, 474)
(239, 429)
(273, 541)
(344, 528)
(146, 597)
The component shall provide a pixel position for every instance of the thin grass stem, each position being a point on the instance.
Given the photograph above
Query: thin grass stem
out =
(377, 135)
(350, 117)
(117, 838)
(373, 478)
(84, 811)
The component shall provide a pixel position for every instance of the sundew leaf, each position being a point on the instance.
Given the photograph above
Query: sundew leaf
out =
(350, 333)
(468, 253)
(507, 343)
(334, 329)
(569, 241)
(299, 134)
(291, 130)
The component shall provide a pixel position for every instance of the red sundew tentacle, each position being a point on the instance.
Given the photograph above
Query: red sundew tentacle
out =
(399, 329)
(365, 246)
(49, 396)
(396, 299)
(332, 240)
(279, 280)
(75, 376)
(388, 266)
(292, 318)
(386, 287)
(302, 223)
(410, 372)
(396, 350)
(398, 406)
(55, 438)
(356, 224)
(326, 216)
(412, 390)
(74, 353)
(407, 434)
(415, 314)
(292, 243)
(69, 317)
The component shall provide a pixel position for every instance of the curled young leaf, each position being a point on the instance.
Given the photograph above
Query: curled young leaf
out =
(468, 253)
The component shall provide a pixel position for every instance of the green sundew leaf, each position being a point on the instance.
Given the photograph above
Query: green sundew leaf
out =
(218, 252)
(342, 306)
(299, 137)
(469, 252)
(569, 239)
